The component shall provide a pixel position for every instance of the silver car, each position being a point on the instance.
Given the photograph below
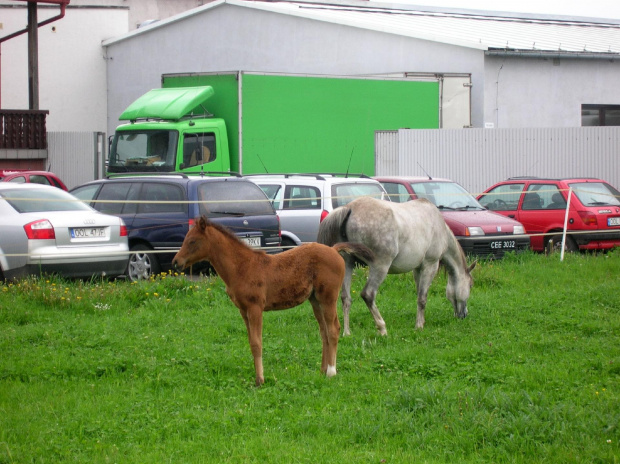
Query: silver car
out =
(45, 230)
(302, 201)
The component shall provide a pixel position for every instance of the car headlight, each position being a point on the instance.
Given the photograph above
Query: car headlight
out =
(519, 230)
(474, 231)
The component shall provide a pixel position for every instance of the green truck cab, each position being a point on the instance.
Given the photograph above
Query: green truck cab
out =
(166, 135)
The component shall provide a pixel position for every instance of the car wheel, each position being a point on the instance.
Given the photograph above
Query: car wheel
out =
(142, 265)
(556, 244)
(287, 242)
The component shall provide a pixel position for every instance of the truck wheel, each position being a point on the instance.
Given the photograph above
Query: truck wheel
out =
(141, 265)
(556, 244)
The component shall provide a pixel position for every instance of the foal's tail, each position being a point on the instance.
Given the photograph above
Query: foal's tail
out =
(333, 228)
(360, 251)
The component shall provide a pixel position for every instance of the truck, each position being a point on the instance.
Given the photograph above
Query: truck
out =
(251, 123)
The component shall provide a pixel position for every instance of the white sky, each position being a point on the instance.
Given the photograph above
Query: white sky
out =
(591, 8)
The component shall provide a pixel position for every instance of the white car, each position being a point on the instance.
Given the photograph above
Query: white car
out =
(302, 201)
(45, 230)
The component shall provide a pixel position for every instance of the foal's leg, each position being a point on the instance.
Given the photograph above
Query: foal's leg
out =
(326, 315)
(423, 277)
(253, 318)
(376, 276)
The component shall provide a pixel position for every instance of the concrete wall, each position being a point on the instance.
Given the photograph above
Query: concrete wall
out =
(72, 68)
(229, 38)
(546, 92)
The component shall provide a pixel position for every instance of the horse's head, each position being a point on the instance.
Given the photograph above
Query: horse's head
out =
(195, 247)
(458, 289)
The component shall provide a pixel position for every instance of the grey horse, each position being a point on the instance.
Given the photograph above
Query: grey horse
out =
(411, 236)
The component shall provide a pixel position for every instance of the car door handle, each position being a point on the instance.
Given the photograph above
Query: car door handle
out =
(511, 216)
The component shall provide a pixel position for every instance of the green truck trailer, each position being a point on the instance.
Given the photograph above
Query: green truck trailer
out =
(255, 123)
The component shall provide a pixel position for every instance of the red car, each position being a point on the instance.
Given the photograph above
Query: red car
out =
(34, 177)
(480, 232)
(593, 221)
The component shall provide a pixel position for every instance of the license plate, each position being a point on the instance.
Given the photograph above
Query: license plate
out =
(88, 232)
(251, 241)
(502, 244)
(613, 221)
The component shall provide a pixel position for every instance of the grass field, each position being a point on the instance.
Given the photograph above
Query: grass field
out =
(161, 371)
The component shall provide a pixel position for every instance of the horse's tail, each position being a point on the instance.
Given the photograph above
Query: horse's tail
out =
(333, 228)
(360, 251)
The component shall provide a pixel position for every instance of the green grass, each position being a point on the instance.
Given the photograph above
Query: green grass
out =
(161, 371)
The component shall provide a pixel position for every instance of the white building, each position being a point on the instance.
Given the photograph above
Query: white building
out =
(526, 71)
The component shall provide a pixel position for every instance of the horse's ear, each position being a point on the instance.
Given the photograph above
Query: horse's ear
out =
(472, 266)
(201, 223)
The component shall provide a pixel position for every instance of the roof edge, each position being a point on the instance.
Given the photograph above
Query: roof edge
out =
(163, 22)
(552, 54)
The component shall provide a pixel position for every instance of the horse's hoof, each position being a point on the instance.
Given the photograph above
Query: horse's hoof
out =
(259, 381)
(331, 371)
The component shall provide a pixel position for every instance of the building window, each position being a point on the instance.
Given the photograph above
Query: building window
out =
(600, 115)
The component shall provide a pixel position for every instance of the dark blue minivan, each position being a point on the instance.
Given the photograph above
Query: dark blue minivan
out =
(159, 209)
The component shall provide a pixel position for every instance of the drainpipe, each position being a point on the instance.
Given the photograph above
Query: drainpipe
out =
(33, 46)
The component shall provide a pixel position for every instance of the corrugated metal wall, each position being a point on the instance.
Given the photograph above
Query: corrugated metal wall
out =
(76, 157)
(478, 158)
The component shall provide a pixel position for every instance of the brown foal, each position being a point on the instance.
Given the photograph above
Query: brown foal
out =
(257, 282)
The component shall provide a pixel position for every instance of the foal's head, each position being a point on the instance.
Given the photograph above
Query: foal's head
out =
(459, 287)
(196, 246)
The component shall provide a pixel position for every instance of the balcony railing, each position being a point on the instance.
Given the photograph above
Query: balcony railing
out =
(23, 129)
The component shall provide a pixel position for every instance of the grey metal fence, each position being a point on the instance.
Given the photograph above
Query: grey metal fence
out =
(478, 158)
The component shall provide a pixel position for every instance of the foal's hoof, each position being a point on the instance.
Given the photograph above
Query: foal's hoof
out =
(331, 371)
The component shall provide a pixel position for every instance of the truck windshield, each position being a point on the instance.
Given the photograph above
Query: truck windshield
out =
(140, 151)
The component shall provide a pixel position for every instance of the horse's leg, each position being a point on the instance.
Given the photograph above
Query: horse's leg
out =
(326, 315)
(320, 318)
(345, 295)
(253, 318)
(376, 276)
(423, 277)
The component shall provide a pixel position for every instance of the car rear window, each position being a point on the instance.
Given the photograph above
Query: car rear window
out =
(596, 193)
(232, 198)
(39, 200)
(346, 193)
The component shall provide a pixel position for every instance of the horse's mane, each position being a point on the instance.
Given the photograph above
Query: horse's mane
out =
(455, 244)
(223, 229)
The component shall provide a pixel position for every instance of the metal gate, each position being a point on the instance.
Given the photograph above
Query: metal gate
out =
(76, 157)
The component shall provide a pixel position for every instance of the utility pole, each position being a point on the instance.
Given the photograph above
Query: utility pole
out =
(33, 57)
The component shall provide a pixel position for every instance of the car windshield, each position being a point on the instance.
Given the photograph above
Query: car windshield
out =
(42, 200)
(596, 193)
(149, 150)
(233, 199)
(446, 195)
